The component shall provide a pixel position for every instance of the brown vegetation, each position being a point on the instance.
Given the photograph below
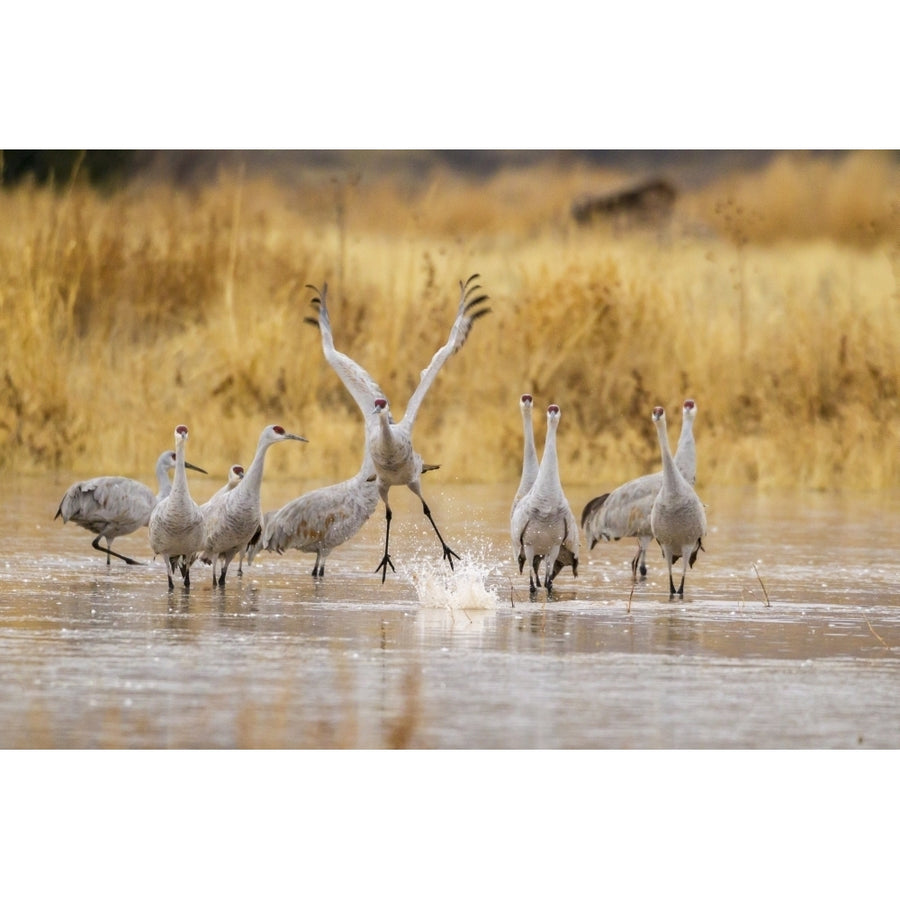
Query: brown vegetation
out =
(770, 297)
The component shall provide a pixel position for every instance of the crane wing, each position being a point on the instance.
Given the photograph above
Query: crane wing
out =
(470, 309)
(362, 387)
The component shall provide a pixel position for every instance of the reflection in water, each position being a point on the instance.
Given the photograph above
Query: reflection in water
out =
(179, 611)
(674, 632)
(777, 645)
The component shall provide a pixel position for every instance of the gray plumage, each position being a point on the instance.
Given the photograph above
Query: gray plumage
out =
(530, 466)
(625, 512)
(390, 442)
(677, 517)
(254, 545)
(235, 518)
(112, 505)
(235, 475)
(542, 522)
(176, 523)
(530, 462)
(322, 519)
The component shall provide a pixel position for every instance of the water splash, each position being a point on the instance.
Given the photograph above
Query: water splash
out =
(463, 587)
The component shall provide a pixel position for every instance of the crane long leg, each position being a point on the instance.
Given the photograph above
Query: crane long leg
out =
(170, 571)
(639, 563)
(533, 580)
(684, 565)
(448, 553)
(95, 543)
(669, 562)
(386, 559)
(226, 562)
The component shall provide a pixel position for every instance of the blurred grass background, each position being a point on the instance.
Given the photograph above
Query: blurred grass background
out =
(144, 290)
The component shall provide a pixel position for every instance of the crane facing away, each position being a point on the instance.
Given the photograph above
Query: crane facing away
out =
(390, 442)
(112, 505)
(625, 511)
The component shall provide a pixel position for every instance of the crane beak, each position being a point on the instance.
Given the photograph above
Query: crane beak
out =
(294, 437)
(188, 465)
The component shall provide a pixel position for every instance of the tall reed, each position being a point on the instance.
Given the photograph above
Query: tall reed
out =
(771, 298)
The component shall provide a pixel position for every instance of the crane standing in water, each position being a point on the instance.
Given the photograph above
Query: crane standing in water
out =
(542, 521)
(530, 466)
(390, 442)
(625, 512)
(232, 522)
(112, 505)
(322, 519)
(176, 523)
(677, 517)
(235, 475)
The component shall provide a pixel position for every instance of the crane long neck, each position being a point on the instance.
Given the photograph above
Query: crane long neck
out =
(385, 432)
(179, 482)
(548, 471)
(686, 451)
(164, 485)
(529, 451)
(670, 472)
(252, 480)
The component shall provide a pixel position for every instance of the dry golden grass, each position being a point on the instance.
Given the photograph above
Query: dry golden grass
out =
(771, 299)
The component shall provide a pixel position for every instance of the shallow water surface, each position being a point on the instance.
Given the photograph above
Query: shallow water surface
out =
(788, 635)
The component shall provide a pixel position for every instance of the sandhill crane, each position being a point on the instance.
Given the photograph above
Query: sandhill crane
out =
(235, 475)
(322, 519)
(176, 523)
(677, 516)
(542, 521)
(232, 522)
(530, 467)
(112, 505)
(625, 512)
(390, 442)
